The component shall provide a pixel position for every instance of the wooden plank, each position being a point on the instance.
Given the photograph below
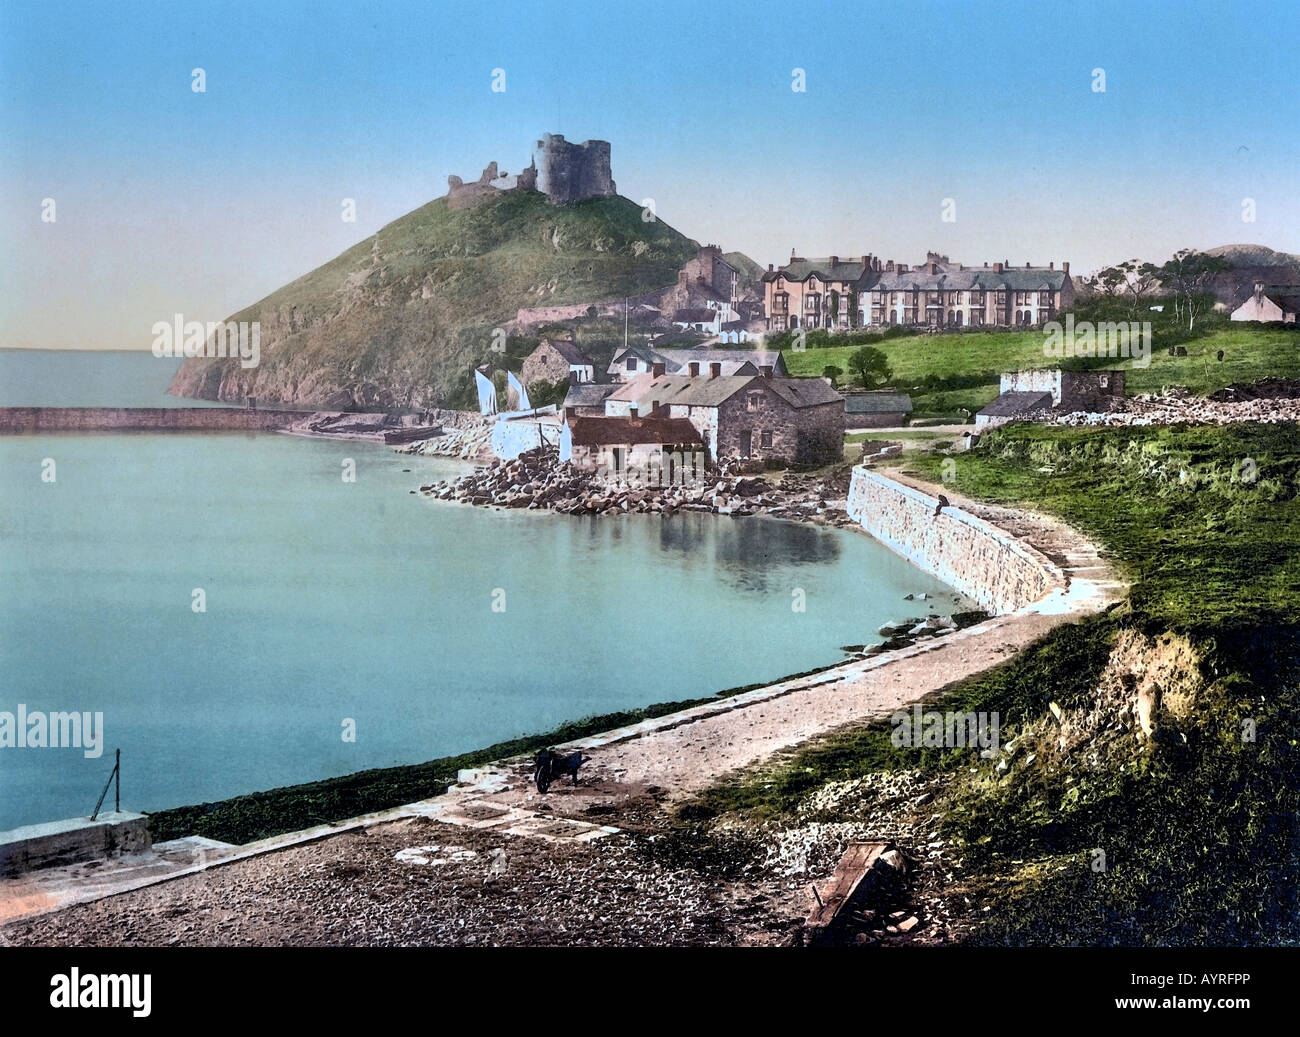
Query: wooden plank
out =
(858, 859)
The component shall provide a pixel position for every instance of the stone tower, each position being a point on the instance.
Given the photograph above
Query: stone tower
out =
(568, 172)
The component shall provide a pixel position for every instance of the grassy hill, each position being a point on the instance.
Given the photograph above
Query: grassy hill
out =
(401, 318)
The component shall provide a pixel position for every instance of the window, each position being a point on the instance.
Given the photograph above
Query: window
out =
(765, 439)
(631, 363)
(754, 401)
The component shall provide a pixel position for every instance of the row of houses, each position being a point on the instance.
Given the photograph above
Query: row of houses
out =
(839, 293)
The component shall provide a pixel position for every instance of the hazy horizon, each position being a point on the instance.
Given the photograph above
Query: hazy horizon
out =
(203, 203)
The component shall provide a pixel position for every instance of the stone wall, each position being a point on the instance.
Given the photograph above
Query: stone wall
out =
(803, 436)
(985, 563)
(568, 172)
(72, 841)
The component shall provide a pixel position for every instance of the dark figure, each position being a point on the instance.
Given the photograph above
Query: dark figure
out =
(943, 503)
(549, 765)
(1220, 356)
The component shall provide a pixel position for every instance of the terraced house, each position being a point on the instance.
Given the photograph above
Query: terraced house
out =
(949, 295)
(814, 293)
(832, 293)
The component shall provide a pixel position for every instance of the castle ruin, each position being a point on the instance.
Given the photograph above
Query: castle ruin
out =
(563, 171)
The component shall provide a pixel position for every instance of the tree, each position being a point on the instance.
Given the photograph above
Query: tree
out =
(1189, 274)
(1132, 281)
(835, 307)
(833, 373)
(871, 366)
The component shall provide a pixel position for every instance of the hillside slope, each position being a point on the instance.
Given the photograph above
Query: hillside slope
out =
(401, 318)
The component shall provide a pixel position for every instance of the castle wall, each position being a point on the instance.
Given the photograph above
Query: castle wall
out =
(568, 172)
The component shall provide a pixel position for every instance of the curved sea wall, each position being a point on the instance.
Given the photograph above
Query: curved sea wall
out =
(985, 563)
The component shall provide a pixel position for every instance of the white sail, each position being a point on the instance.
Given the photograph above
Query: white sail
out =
(518, 387)
(487, 394)
(566, 442)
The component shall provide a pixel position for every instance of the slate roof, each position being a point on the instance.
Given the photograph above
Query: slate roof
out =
(588, 394)
(877, 403)
(566, 349)
(1015, 279)
(1012, 404)
(802, 269)
(595, 431)
(684, 391)
(733, 361)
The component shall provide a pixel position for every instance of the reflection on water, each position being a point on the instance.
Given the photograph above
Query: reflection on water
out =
(329, 600)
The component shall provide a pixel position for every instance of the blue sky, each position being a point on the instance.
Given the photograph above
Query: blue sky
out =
(169, 201)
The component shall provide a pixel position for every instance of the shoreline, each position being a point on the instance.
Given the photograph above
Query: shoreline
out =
(680, 752)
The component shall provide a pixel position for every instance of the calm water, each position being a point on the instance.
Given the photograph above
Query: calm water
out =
(328, 600)
(73, 378)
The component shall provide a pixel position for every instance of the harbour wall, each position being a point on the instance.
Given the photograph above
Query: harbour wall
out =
(20, 420)
(985, 563)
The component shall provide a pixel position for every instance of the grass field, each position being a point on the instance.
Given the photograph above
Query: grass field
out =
(1199, 826)
(946, 373)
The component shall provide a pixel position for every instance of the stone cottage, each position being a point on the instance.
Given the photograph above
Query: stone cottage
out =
(789, 421)
(1026, 393)
(651, 451)
(882, 409)
(555, 359)
(1279, 302)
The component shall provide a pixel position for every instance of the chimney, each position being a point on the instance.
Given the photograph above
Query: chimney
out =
(770, 268)
(631, 410)
(932, 268)
(1065, 268)
(766, 370)
(834, 260)
(715, 370)
(1259, 289)
(654, 408)
(1026, 264)
(694, 368)
(657, 369)
(1051, 264)
(986, 264)
(997, 268)
(866, 260)
(889, 267)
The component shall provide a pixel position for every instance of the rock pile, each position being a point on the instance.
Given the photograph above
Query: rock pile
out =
(538, 479)
(1181, 406)
(469, 444)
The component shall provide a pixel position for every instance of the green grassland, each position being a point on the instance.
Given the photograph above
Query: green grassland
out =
(948, 372)
(1201, 826)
